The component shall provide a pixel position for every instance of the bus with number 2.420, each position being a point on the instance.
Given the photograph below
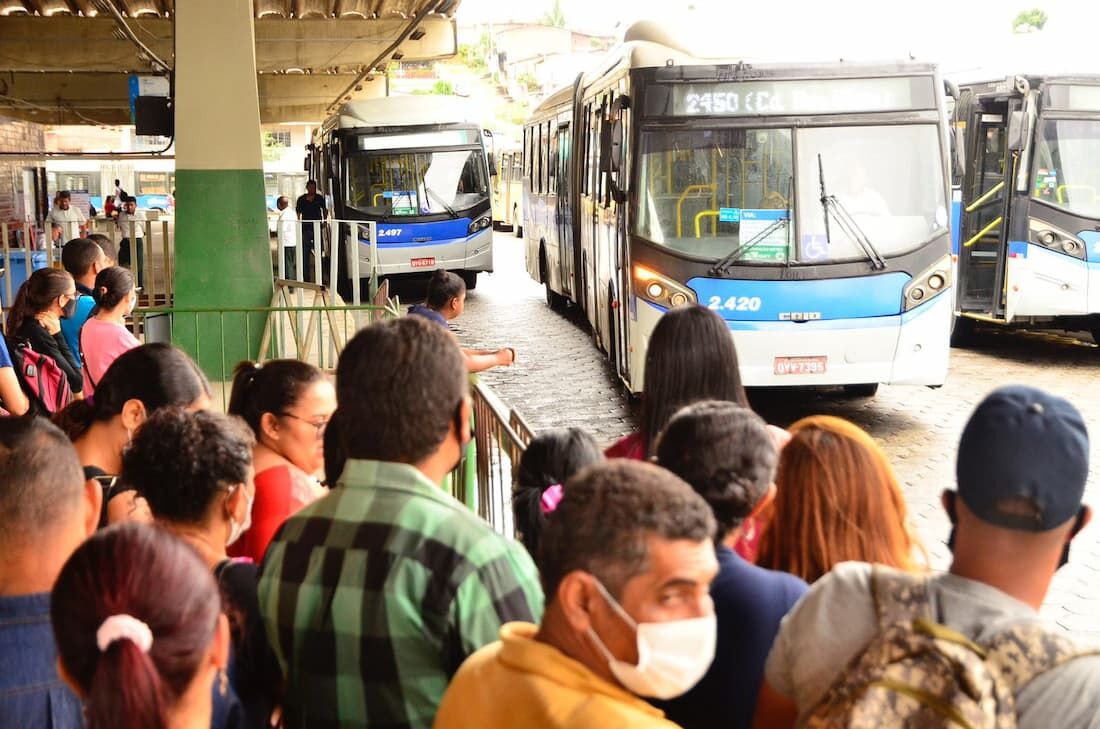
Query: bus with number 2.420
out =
(805, 204)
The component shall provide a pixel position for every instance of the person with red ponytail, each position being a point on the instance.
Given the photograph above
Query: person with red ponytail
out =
(140, 634)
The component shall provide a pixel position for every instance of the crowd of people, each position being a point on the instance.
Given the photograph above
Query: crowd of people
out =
(296, 563)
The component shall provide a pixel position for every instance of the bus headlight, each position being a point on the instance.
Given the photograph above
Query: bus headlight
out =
(931, 283)
(1055, 239)
(480, 224)
(661, 290)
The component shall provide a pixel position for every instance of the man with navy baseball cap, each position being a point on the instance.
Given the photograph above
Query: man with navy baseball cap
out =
(1022, 465)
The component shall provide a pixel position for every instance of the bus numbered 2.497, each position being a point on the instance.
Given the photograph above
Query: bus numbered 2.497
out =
(418, 167)
(805, 204)
(1029, 235)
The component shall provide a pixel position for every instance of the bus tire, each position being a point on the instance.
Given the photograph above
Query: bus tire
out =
(519, 230)
(553, 299)
(470, 279)
(963, 331)
(867, 389)
(612, 343)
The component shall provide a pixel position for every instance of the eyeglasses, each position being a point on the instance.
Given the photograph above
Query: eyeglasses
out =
(319, 426)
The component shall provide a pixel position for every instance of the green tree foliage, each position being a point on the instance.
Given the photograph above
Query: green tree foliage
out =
(554, 17)
(1029, 20)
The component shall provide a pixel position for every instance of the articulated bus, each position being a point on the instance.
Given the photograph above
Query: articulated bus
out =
(418, 167)
(805, 204)
(1029, 240)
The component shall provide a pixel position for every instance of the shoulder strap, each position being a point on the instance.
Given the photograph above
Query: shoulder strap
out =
(83, 359)
(899, 596)
(1026, 650)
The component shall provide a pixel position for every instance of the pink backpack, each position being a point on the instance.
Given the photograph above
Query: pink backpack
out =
(41, 377)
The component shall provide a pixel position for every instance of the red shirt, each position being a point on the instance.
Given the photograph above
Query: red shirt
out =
(275, 501)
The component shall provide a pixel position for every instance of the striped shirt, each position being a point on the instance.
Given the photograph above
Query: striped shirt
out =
(374, 595)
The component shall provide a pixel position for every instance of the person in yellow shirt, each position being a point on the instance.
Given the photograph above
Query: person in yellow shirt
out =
(627, 560)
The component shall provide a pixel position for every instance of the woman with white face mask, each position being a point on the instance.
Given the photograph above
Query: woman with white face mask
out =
(195, 471)
(104, 337)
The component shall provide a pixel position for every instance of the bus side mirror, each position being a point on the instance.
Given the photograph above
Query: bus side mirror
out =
(1019, 128)
(305, 164)
(492, 165)
(616, 146)
(959, 152)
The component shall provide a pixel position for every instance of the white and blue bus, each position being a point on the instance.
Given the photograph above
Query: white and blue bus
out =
(806, 204)
(1028, 244)
(418, 167)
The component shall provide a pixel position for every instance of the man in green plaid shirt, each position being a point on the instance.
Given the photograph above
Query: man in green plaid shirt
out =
(375, 594)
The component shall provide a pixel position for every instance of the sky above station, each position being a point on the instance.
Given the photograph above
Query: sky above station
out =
(959, 34)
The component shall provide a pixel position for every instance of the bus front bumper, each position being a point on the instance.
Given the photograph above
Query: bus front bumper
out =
(471, 254)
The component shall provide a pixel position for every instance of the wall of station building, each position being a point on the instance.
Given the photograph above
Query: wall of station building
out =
(21, 181)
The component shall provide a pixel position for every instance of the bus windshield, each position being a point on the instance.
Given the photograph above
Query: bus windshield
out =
(704, 193)
(888, 178)
(1067, 165)
(416, 182)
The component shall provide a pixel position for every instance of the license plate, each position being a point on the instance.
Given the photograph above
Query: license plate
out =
(800, 365)
(422, 262)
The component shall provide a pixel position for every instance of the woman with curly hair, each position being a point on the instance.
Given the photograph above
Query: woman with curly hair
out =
(837, 500)
(195, 471)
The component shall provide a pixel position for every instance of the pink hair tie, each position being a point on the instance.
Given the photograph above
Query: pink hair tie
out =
(124, 627)
(551, 497)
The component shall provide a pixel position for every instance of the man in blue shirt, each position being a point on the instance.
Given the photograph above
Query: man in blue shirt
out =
(444, 301)
(46, 510)
(728, 456)
(83, 259)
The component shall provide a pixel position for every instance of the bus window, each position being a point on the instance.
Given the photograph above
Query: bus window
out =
(701, 188)
(415, 183)
(862, 168)
(1067, 165)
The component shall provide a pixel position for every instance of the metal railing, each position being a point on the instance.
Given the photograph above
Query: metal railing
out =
(483, 479)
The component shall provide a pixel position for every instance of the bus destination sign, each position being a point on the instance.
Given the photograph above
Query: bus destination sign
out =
(813, 96)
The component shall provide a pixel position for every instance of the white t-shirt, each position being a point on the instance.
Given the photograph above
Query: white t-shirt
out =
(287, 227)
(138, 219)
(836, 619)
(69, 220)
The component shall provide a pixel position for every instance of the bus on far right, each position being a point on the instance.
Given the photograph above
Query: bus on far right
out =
(1027, 215)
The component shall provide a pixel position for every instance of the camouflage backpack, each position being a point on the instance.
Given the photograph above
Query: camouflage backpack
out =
(918, 674)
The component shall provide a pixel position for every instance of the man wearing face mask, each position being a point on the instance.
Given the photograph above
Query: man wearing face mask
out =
(375, 594)
(195, 471)
(1022, 468)
(627, 560)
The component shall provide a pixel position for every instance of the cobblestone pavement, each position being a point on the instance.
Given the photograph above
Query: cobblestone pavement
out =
(560, 379)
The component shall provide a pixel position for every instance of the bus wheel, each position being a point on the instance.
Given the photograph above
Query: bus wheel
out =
(864, 390)
(470, 279)
(962, 331)
(516, 227)
(519, 230)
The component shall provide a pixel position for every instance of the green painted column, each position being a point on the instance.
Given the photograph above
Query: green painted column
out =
(223, 256)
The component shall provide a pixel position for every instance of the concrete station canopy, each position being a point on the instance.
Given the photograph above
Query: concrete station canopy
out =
(69, 61)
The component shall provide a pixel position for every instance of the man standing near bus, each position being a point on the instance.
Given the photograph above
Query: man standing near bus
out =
(66, 222)
(310, 207)
(287, 231)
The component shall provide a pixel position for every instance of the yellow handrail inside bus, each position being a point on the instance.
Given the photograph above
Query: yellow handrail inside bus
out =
(992, 191)
(983, 231)
(680, 204)
(374, 200)
(704, 214)
(1058, 192)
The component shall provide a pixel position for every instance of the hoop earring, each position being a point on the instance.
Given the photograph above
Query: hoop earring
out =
(223, 683)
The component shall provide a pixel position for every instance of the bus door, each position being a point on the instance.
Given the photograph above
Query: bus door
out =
(987, 191)
(564, 214)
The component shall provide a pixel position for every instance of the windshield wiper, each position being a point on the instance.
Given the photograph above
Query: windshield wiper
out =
(722, 266)
(845, 221)
(438, 199)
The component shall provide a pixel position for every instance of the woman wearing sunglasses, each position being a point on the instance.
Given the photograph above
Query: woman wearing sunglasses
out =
(288, 404)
